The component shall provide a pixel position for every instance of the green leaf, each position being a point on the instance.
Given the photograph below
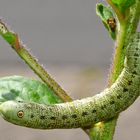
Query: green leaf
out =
(20, 88)
(123, 4)
(106, 13)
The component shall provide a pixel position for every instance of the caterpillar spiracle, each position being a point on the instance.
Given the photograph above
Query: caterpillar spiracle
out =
(87, 111)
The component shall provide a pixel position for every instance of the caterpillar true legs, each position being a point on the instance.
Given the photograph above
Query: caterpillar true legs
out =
(87, 111)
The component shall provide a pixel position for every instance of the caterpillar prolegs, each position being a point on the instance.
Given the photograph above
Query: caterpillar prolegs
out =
(84, 112)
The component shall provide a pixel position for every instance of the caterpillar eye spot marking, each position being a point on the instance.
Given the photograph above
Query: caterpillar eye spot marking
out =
(64, 117)
(103, 107)
(125, 90)
(112, 102)
(116, 109)
(42, 117)
(135, 65)
(52, 118)
(32, 115)
(94, 111)
(84, 113)
(136, 54)
(95, 119)
(112, 23)
(119, 96)
(20, 114)
(134, 72)
(129, 82)
(74, 116)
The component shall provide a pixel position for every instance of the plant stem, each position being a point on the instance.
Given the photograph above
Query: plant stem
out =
(118, 61)
(40, 71)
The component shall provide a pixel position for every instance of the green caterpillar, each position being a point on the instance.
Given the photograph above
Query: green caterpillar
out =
(82, 113)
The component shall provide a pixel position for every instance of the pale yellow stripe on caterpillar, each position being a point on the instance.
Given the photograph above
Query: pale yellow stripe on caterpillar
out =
(87, 111)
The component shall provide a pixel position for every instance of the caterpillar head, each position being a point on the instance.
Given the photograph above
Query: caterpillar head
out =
(14, 112)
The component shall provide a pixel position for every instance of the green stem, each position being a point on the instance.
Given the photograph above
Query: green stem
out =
(42, 73)
(118, 61)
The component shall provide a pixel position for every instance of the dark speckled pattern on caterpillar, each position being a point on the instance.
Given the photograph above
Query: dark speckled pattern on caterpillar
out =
(80, 113)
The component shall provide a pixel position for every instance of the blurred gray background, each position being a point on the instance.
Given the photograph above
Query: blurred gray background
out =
(71, 42)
